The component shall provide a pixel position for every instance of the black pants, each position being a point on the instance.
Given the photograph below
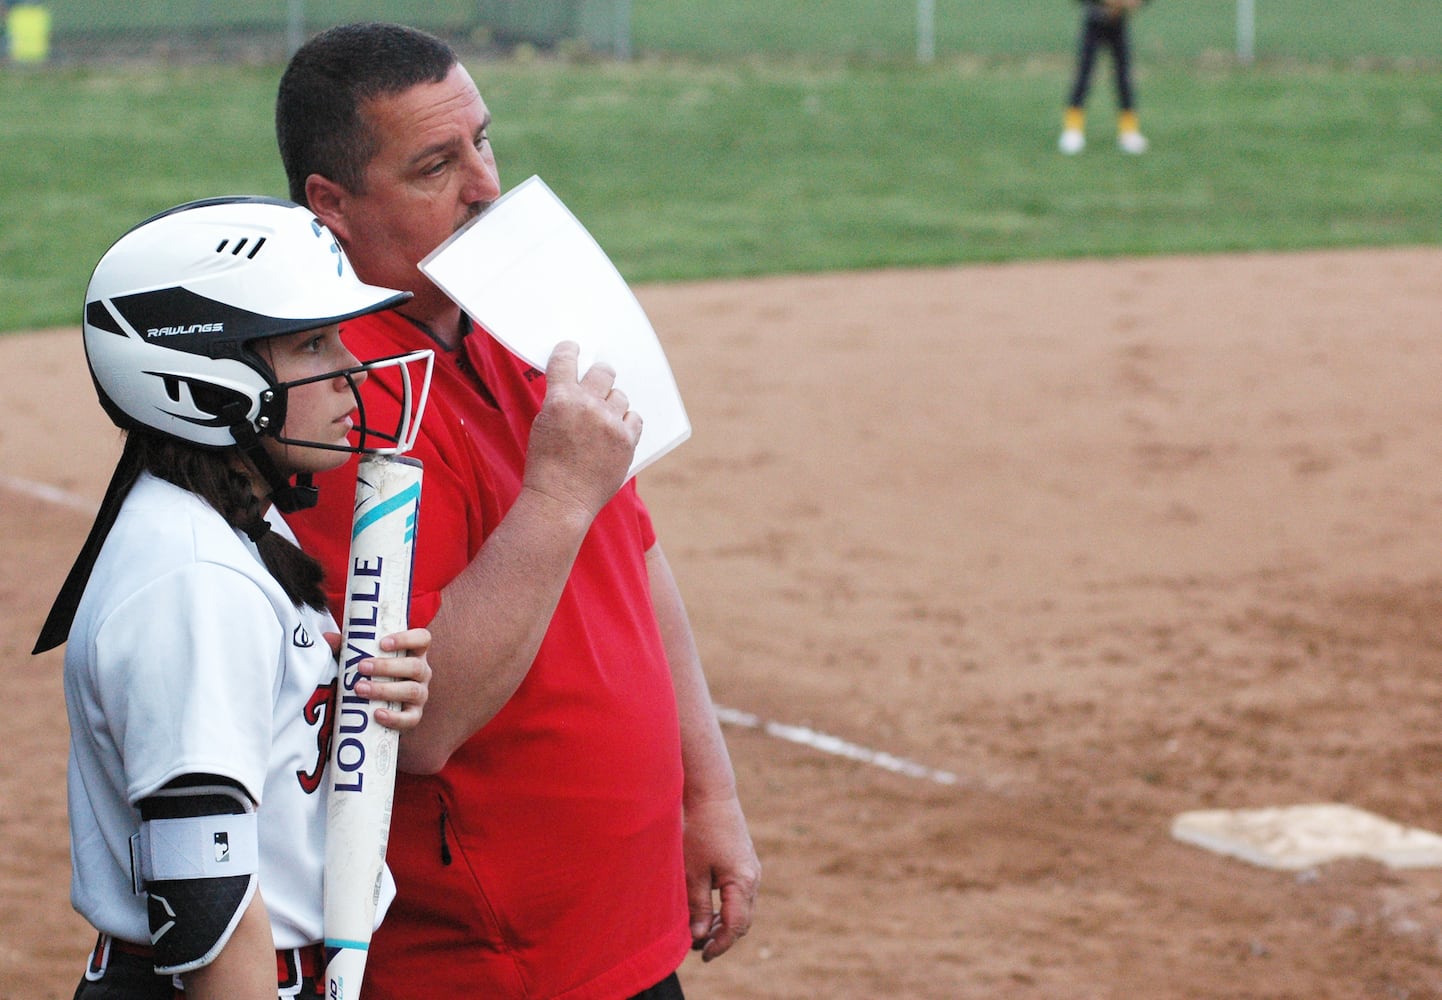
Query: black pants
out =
(126, 977)
(667, 989)
(1097, 30)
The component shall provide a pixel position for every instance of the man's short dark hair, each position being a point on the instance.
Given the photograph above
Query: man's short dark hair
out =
(318, 121)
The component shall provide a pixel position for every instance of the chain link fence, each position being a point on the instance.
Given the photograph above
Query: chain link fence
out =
(82, 31)
(895, 30)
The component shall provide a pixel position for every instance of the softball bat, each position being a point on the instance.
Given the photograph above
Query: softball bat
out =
(363, 753)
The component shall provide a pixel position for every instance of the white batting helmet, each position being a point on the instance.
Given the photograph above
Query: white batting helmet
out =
(173, 304)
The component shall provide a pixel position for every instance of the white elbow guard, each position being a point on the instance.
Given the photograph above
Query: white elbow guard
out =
(195, 858)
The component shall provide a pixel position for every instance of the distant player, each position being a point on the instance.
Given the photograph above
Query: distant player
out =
(199, 679)
(1104, 23)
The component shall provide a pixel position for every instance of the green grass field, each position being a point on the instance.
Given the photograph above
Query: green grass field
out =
(1339, 29)
(696, 169)
(886, 29)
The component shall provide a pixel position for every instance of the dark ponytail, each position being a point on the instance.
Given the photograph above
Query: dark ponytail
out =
(210, 476)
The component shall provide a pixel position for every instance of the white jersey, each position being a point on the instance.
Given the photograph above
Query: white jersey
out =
(186, 657)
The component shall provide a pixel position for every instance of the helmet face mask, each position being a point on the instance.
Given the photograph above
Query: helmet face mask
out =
(174, 304)
(370, 440)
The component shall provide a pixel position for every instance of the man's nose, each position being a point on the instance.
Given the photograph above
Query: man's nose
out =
(483, 182)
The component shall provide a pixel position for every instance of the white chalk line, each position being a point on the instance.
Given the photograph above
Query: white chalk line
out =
(49, 494)
(837, 747)
(833, 745)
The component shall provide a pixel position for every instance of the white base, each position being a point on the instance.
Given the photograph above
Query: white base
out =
(1297, 837)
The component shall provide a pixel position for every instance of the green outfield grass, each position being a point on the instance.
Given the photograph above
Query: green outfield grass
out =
(885, 29)
(1308, 29)
(697, 170)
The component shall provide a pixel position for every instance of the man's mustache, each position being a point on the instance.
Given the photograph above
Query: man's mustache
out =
(473, 211)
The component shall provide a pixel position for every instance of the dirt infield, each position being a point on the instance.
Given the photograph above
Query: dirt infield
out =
(1105, 541)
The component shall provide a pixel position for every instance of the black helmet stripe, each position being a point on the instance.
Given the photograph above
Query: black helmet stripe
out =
(181, 320)
(99, 317)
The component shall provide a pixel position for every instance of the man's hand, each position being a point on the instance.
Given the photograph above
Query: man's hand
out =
(584, 438)
(720, 864)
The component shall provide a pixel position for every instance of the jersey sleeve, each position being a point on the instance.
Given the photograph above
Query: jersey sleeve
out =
(187, 669)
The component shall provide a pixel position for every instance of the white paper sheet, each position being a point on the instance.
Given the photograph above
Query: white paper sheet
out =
(527, 271)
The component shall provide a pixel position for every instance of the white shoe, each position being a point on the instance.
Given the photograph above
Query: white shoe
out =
(1132, 142)
(1072, 141)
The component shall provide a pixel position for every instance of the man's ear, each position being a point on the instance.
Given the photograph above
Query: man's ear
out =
(328, 200)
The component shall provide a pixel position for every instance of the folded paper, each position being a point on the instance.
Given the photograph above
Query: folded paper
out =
(531, 275)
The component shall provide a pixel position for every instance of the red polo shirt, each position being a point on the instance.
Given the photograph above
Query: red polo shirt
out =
(545, 859)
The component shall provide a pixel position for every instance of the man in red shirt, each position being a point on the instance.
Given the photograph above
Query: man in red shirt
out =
(583, 828)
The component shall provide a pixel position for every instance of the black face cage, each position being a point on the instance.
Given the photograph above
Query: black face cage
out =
(392, 440)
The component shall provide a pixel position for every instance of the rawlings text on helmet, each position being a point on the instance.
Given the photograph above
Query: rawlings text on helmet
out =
(171, 331)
